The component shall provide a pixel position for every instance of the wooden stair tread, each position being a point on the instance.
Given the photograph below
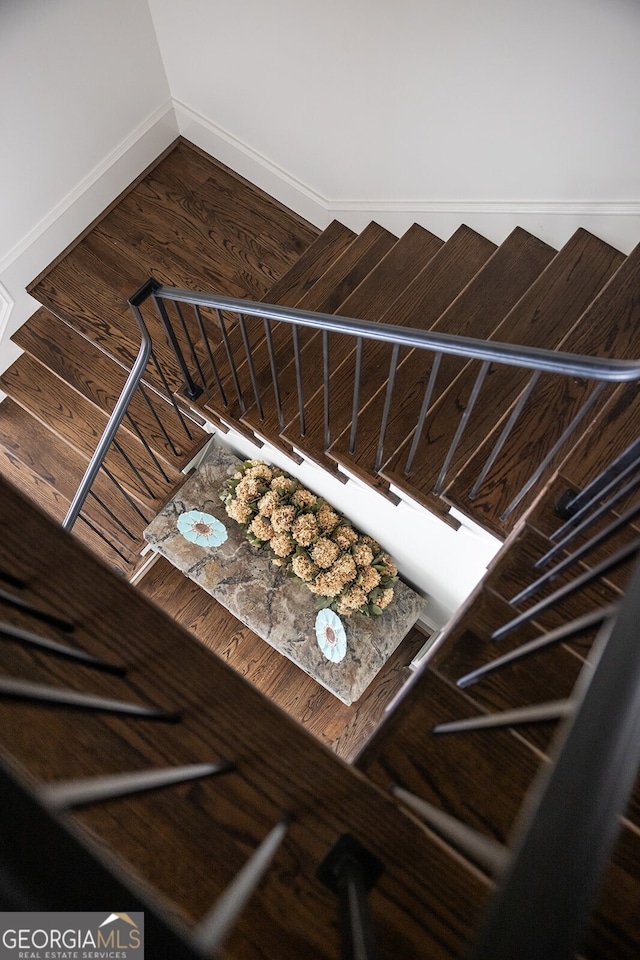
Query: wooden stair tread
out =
(547, 310)
(428, 899)
(478, 778)
(370, 299)
(326, 294)
(29, 442)
(419, 305)
(476, 312)
(310, 266)
(116, 554)
(608, 436)
(608, 328)
(100, 380)
(121, 252)
(79, 424)
(341, 728)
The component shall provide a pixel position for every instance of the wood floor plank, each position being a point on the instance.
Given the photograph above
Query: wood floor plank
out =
(341, 728)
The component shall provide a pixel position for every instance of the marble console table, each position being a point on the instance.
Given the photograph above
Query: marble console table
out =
(278, 609)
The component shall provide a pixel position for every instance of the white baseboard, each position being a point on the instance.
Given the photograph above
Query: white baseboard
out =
(252, 165)
(72, 214)
(554, 221)
(617, 222)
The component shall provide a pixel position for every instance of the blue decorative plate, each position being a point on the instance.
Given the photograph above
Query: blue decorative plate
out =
(332, 639)
(202, 528)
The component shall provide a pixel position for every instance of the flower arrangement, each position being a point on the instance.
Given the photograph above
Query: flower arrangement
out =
(347, 570)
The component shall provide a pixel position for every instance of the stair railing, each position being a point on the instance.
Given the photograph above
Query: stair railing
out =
(164, 413)
(215, 344)
(215, 348)
(550, 872)
(547, 880)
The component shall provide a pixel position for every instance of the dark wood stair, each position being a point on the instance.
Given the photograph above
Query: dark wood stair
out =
(476, 312)
(183, 845)
(419, 305)
(546, 312)
(191, 223)
(482, 776)
(607, 328)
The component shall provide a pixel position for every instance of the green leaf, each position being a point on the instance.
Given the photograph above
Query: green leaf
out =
(375, 610)
(323, 602)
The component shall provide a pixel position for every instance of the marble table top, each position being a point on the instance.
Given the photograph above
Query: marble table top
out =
(278, 609)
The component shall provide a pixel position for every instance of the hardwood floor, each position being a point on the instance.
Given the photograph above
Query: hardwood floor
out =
(343, 729)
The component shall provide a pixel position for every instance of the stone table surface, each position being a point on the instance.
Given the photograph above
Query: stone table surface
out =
(278, 609)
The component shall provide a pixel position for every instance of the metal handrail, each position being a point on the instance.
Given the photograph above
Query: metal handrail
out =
(535, 358)
(118, 413)
(549, 888)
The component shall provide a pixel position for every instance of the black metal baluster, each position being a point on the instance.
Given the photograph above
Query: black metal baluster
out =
(604, 508)
(598, 495)
(191, 389)
(483, 850)
(111, 514)
(137, 474)
(533, 479)
(169, 393)
(145, 444)
(17, 689)
(105, 539)
(298, 364)
(326, 375)
(464, 420)
(565, 632)
(25, 606)
(502, 439)
(274, 371)
(350, 871)
(536, 713)
(12, 581)
(628, 461)
(68, 794)
(252, 373)
(28, 638)
(124, 493)
(156, 417)
(391, 380)
(232, 365)
(611, 563)
(355, 409)
(216, 926)
(619, 523)
(192, 350)
(424, 409)
(212, 361)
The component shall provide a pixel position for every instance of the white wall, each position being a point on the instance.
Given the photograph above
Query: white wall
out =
(85, 107)
(496, 112)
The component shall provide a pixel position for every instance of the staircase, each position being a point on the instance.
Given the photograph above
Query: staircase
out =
(192, 224)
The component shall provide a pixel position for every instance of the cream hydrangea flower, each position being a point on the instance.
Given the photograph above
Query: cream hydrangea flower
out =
(305, 529)
(325, 552)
